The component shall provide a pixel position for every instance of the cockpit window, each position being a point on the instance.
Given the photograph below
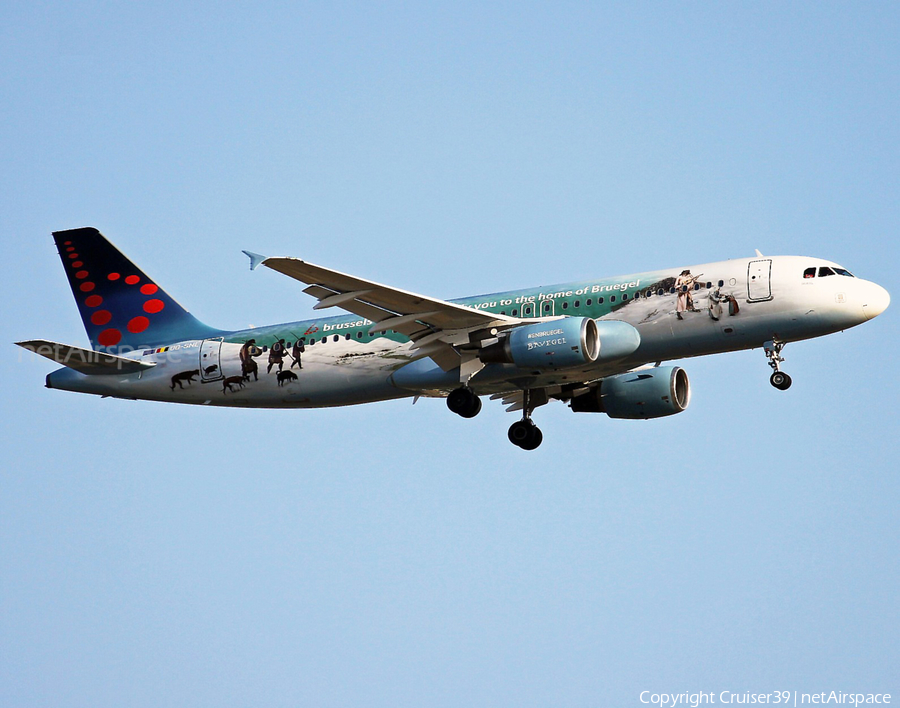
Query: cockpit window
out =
(842, 271)
(809, 273)
(824, 270)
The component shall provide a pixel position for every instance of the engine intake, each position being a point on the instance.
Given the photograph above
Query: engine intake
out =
(648, 393)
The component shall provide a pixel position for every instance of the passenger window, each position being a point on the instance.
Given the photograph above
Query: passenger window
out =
(721, 283)
(624, 296)
(578, 303)
(599, 300)
(823, 271)
(565, 306)
(809, 273)
(660, 292)
(515, 313)
(589, 302)
(709, 285)
(324, 340)
(347, 336)
(359, 335)
(612, 298)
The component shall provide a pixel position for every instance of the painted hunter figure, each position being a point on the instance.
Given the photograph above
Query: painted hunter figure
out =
(276, 356)
(683, 285)
(297, 352)
(248, 364)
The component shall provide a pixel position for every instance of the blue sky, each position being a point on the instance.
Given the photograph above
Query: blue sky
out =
(394, 554)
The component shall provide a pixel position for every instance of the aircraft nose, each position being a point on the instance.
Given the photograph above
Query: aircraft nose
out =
(876, 300)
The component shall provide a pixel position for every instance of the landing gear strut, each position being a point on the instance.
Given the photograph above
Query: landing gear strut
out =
(778, 379)
(524, 433)
(464, 402)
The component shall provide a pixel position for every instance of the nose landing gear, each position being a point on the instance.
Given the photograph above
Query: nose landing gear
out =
(778, 379)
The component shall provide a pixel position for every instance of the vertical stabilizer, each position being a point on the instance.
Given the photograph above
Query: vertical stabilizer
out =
(122, 309)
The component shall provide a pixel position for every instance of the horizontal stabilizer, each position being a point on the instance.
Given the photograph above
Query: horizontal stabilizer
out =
(84, 361)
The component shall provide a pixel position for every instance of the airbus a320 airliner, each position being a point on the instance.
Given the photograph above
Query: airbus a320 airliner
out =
(597, 345)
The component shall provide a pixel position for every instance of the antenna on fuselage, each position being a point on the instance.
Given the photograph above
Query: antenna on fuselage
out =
(758, 254)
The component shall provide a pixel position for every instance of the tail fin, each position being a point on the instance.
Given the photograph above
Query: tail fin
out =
(122, 309)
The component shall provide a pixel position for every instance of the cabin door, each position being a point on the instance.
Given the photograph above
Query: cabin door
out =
(210, 364)
(759, 280)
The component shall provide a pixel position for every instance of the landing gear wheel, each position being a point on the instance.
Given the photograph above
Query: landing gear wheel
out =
(535, 440)
(464, 402)
(473, 410)
(780, 380)
(525, 434)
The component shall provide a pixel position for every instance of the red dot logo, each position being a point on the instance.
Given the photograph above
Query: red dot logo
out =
(149, 289)
(81, 274)
(93, 301)
(86, 287)
(73, 256)
(101, 317)
(132, 279)
(154, 306)
(113, 276)
(76, 264)
(109, 337)
(70, 248)
(138, 324)
(67, 243)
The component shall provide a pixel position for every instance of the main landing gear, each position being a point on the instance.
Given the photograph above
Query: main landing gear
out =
(464, 402)
(524, 433)
(778, 379)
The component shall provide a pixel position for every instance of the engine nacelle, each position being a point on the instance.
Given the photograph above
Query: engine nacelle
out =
(558, 344)
(648, 393)
(572, 341)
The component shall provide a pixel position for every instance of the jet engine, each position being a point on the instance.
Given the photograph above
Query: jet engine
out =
(557, 344)
(563, 343)
(642, 394)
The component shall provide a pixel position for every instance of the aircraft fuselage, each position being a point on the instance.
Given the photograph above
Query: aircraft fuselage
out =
(725, 306)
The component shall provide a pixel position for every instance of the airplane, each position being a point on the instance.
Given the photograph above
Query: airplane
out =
(596, 345)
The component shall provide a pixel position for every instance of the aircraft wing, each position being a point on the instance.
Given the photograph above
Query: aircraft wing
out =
(439, 329)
